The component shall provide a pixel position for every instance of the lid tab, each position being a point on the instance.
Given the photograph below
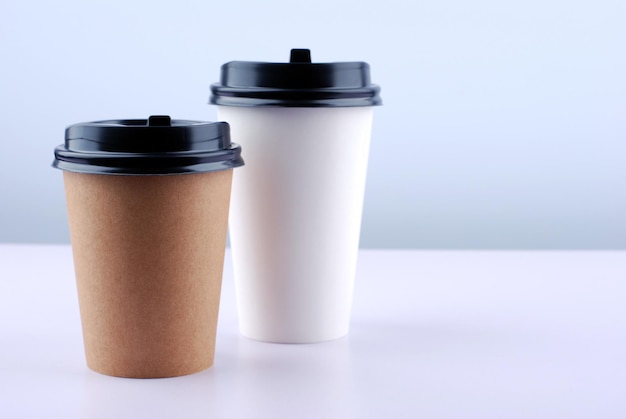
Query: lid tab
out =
(300, 56)
(159, 121)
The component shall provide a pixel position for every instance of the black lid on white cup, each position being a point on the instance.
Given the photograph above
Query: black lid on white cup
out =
(154, 146)
(299, 83)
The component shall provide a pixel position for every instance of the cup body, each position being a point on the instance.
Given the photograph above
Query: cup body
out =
(295, 218)
(148, 255)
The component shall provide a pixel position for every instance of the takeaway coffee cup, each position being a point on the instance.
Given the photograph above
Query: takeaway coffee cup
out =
(148, 206)
(296, 212)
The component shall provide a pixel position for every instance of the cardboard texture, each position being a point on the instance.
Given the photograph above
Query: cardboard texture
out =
(148, 255)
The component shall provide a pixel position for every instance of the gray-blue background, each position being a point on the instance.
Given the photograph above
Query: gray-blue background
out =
(503, 124)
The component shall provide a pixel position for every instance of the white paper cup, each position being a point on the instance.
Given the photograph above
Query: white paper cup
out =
(296, 213)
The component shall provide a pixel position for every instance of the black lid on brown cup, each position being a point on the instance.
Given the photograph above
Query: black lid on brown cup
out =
(158, 145)
(299, 83)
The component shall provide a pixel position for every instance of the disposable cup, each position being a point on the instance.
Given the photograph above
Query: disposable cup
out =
(296, 207)
(148, 214)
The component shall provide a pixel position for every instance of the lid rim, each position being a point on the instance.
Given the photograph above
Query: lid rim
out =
(137, 164)
(165, 171)
(321, 103)
(369, 91)
(327, 97)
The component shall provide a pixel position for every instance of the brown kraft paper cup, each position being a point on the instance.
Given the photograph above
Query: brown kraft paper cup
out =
(148, 206)
(148, 255)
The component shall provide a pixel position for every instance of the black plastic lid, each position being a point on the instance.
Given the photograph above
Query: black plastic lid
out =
(298, 83)
(156, 146)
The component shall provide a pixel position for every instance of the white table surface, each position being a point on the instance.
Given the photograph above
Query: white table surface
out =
(435, 334)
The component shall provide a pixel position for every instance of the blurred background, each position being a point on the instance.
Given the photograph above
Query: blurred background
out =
(503, 125)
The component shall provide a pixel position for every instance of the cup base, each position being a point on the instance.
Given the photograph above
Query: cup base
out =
(294, 340)
(149, 374)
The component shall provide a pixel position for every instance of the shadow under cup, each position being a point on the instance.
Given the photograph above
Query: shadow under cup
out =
(148, 215)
